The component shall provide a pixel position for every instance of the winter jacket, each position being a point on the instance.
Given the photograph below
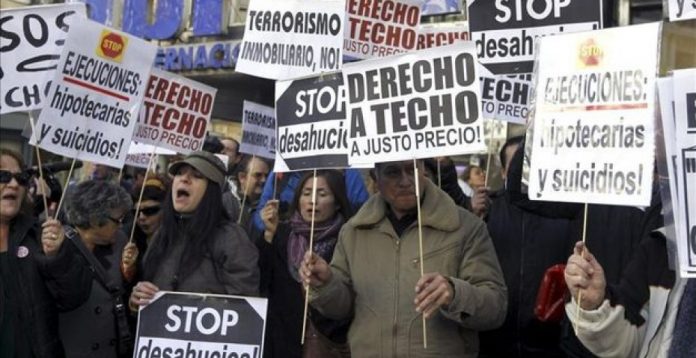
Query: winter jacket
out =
(526, 245)
(87, 321)
(613, 233)
(374, 273)
(637, 316)
(355, 190)
(230, 268)
(37, 315)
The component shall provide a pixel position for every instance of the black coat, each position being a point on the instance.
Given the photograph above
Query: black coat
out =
(613, 233)
(526, 245)
(88, 325)
(38, 314)
(286, 302)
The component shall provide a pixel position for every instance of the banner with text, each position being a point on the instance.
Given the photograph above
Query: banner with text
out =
(379, 28)
(441, 34)
(31, 41)
(685, 130)
(682, 10)
(96, 94)
(505, 97)
(292, 38)
(178, 324)
(139, 154)
(175, 112)
(418, 105)
(312, 132)
(505, 32)
(258, 130)
(593, 138)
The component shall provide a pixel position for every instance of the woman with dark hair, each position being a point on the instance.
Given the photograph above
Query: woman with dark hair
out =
(28, 314)
(82, 270)
(283, 248)
(197, 248)
(149, 210)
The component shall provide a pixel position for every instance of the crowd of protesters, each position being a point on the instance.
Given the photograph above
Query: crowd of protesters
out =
(490, 281)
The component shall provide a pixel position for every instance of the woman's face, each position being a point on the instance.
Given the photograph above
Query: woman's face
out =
(11, 193)
(149, 216)
(477, 177)
(188, 189)
(325, 206)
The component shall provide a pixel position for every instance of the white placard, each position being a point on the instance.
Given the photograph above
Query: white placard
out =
(291, 38)
(97, 91)
(685, 125)
(441, 34)
(30, 45)
(258, 130)
(682, 10)
(593, 136)
(175, 112)
(376, 28)
(505, 97)
(418, 105)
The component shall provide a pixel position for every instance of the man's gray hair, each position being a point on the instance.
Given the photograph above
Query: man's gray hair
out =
(92, 202)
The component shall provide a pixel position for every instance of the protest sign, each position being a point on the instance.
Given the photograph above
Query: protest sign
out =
(438, 7)
(379, 28)
(96, 94)
(667, 165)
(139, 154)
(682, 10)
(418, 105)
(685, 130)
(292, 38)
(505, 97)
(312, 132)
(178, 324)
(175, 112)
(31, 40)
(441, 34)
(505, 32)
(258, 130)
(593, 136)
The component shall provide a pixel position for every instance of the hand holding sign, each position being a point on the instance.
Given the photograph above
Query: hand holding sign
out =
(314, 270)
(433, 291)
(269, 215)
(142, 293)
(583, 273)
(52, 237)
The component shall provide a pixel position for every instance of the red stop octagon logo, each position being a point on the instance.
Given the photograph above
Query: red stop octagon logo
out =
(112, 46)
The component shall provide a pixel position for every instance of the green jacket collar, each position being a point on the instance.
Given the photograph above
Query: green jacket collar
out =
(437, 211)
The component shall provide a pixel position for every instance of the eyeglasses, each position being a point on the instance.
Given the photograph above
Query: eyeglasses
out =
(118, 221)
(149, 211)
(22, 178)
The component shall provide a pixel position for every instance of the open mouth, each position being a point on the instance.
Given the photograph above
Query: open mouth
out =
(182, 193)
(9, 196)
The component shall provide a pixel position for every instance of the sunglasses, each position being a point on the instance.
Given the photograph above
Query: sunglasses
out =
(118, 221)
(148, 211)
(22, 178)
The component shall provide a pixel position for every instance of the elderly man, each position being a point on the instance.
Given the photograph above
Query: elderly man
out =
(375, 273)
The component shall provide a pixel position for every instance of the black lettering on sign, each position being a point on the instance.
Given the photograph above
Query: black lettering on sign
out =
(691, 112)
(36, 32)
(690, 165)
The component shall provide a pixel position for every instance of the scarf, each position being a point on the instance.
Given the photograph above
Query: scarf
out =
(325, 238)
